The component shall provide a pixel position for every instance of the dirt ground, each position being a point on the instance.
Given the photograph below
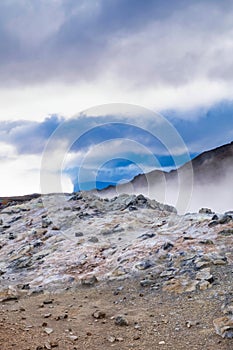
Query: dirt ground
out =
(157, 320)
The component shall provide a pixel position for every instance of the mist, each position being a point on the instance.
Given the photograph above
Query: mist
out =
(205, 182)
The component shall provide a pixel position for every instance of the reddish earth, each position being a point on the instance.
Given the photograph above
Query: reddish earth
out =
(157, 320)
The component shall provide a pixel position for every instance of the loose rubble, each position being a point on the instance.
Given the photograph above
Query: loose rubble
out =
(55, 243)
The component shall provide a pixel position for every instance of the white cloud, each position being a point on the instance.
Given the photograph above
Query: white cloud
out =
(97, 155)
(35, 103)
(179, 61)
(161, 57)
(7, 151)
(20, 175)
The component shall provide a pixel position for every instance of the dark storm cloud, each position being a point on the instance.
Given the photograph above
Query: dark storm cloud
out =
(146, 42)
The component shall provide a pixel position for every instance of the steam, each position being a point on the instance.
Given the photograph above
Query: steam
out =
(212, 191)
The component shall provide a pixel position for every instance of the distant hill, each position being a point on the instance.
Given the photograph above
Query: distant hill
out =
(86, 186)
(212, 182)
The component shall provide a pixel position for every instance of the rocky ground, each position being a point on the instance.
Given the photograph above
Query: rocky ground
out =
(81, 272)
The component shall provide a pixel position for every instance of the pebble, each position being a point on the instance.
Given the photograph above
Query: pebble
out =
(79, 234)
(48, 346)
(89, 281)
(93, 240)
(121, 321)
(48, 301)
(99, 314)
(203, 285)
(111, 339)
(204, 275)
(224, 327)
(73, 337)
(48, 330)
(144, 265)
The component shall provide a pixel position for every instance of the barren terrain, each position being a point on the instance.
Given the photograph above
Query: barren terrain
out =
(80, 272)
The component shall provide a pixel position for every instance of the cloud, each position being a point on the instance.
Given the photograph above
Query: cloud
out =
(29, 137)
(86, 38)
(201, 129)
(205, 128)
(60, 57)
(100, 139)
(70, 55)
(76, 43)
(20, 174)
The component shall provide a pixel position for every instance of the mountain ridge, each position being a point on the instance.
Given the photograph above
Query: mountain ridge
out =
(211, 172)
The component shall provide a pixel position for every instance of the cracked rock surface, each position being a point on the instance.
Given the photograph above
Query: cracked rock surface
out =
(59, 244)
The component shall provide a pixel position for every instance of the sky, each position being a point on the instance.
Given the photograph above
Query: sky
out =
(61, 58)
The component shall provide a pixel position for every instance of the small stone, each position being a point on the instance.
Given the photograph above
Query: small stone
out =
(48, 346)
(89, 281)
(118, 290)
(144, 265)
(201, 264)
(61, 317)
(120, 339)
(146, 236)
(47, 315)
(205, 275)
(54, 344)
(99, 314)
(167, 273)
(146, 283)
(106, 232)
(93, 240)
(205, 211)
(224, 327)
(48, 301)
(138, 327)
(78, 234)
(12, 236)
(119, 271)
(213, 223)
(48, 330)
(225, 219)
(136, 337)
(55, 228)
(73, 337)
(162, 342)
(111, 339)
(10, 294)
(219, 262)
(45, 223)
(204, 285)
(121, 321)
(189, 324)
(167, 246)
(206, 241)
